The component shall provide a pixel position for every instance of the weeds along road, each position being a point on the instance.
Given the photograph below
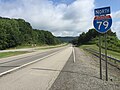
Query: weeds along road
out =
(60, 72)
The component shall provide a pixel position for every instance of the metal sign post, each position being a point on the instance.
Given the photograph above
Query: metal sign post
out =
(106, 57)
(102, 23)
(100, 56)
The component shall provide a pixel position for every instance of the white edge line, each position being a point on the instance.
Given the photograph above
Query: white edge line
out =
(14, 69)
(73, 55)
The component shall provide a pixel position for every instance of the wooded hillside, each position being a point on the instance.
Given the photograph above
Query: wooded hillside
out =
(92, 37)
(14, 32)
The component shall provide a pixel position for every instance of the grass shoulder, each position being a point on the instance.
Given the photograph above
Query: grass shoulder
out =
(9, 54)
(14, 53)
(52, 46)
(96, 48)
(44, 46)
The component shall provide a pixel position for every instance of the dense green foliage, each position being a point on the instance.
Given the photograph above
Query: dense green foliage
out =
(66, 39)
(92, 37)
(113, 43)
(14, 32)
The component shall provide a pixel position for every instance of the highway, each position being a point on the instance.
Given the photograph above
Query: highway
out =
(38, 76)
(63, 68)
(7, 64)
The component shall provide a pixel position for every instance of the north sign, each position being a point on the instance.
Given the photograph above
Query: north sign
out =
(102, 11)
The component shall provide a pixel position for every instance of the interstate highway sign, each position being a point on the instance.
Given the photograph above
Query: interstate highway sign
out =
(102, 23)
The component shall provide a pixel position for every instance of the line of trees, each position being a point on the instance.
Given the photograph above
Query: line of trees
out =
(92, 37)
(14, 32)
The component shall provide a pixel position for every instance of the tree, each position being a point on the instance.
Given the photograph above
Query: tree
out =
(14, 32)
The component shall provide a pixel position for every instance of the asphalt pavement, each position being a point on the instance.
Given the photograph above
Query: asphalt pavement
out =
(84, 75)
(37, 76)
(10, 63)
(68, 69)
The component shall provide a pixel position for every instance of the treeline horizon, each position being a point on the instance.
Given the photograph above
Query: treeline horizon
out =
(92, 37)
(14, 32)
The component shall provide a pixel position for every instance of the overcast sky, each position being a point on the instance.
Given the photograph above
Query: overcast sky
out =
(61, 17)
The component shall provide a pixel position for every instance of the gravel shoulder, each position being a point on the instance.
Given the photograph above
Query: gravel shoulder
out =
(84, 74)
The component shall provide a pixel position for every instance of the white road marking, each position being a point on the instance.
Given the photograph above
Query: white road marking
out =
(14, 69)
(38, 76)
(73, 55)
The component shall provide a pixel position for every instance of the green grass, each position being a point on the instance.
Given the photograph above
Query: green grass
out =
(52, 46)
(24, 46)
(41, 46)
(95, 47)
(8, 54)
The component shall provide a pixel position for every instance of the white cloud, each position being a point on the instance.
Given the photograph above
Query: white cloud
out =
(116, 23)
(116, 15)
(60, 19)
(116, 28)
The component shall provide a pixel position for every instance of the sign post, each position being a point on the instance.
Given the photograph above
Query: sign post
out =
(106, 56)
(100, 55)
(102, 23)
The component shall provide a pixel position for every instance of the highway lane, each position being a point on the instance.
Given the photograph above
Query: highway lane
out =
(10, 64)
(38, 76)
(60, 72)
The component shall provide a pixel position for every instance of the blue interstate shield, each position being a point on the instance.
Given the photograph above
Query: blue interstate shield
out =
(102, 23)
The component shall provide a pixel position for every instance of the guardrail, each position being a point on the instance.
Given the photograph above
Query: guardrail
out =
(112, 61)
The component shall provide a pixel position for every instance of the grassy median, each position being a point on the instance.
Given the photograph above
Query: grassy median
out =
(8, 54)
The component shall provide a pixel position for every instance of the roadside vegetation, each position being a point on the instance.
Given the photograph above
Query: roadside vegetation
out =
(90, 40)
(18, 32)
(96, 48)
(51, 46)
(12, 53)
(8, 54)
(38, 46)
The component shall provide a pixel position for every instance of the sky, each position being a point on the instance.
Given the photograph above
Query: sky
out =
(61, 17)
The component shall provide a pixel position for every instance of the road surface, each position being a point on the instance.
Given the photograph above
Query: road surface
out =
(38, 76)
(84, 75)
(10, 63)
(59, 72)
